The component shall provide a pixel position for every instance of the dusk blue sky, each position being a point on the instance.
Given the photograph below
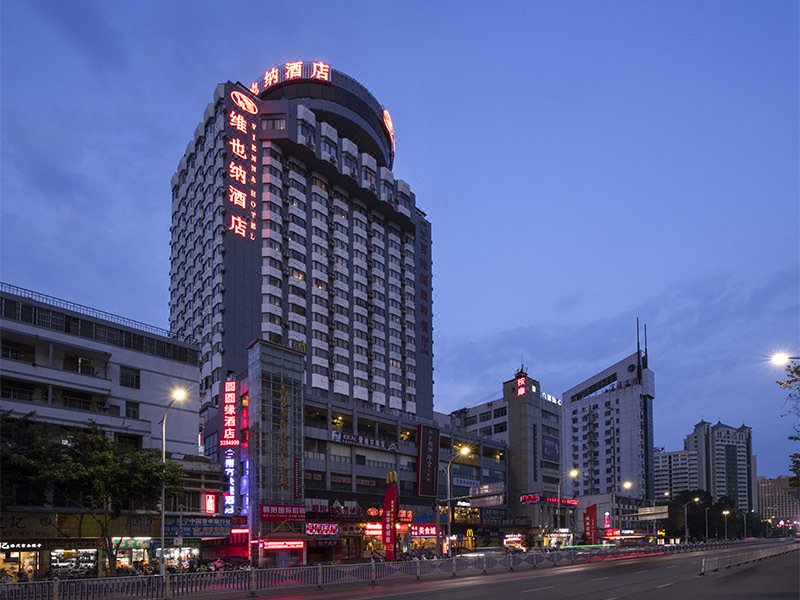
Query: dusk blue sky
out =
(581, 163)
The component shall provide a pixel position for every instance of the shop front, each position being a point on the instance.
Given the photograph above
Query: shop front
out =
(21, 557)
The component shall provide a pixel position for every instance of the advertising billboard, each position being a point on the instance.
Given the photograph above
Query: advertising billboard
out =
(427, 461)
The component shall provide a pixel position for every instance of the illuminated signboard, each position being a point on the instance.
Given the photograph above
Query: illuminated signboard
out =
(295, 70)
(404, 515)
(567, 501)
(423, 531)
(283, 544)
(229, 469)
(209, 503)
(612, 532)
(387, 123)
(551, 398)
(282, 512)
(229, 433)
(520, 386)
(242, 166)
(374, 529)
(322, 529)
(536, 498)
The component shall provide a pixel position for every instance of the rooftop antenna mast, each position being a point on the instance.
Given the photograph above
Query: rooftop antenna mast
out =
(644, 359)
(638, 354)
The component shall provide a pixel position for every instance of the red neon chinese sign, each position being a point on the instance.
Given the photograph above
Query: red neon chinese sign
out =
(243, 102)
(229, 434)
(521, 386)
(423, 531)
(389, 125)
(242, 168)
(295, 70)
(209, 503)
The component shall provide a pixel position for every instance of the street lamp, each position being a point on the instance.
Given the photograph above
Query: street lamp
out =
(779, 359)
(573, 473)
(725, 514)
(178, 395)
(626, 485)
(686, 518)
(707, 524)
(463, 451)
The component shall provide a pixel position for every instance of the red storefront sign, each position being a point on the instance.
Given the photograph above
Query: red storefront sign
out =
(590, 524)
(389, 518)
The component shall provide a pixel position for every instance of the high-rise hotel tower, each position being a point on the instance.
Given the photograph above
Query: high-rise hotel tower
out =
(289, 226)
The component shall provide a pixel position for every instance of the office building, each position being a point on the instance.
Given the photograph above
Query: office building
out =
(725, 462)
(68, 364)
(675, 472)
(528, 420)
(608, 429)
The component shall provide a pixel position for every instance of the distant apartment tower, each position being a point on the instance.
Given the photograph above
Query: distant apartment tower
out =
(674, 472)
(725, 462)
(608, 429)
(529, 421)
(288, 225)
(778, 501)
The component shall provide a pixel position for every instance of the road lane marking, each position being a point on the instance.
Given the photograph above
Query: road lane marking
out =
(642, 571)
(663, 585)
(672, 567)
(547, 587)
(599, 578)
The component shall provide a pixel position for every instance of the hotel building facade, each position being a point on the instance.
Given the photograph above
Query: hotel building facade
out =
(302, 265)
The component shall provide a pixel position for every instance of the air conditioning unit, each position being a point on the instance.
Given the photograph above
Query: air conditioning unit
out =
(102, 405)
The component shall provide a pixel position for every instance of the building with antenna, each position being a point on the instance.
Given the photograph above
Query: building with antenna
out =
(608, 429)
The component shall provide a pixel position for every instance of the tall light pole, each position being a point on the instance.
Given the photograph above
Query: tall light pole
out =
(780, 359)
(463, 451)
(178, 395)
(725, 514)
(573, 473)
(626, 485)
(686, 519)
(707, 524)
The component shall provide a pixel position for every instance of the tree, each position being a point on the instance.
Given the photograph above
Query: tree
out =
(792, 384)
(87, 470)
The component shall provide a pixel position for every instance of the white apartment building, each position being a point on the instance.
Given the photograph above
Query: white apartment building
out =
(674, 472)
(608, 429)
(778, 501)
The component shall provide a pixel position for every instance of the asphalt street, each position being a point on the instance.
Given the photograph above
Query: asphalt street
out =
(656, 577)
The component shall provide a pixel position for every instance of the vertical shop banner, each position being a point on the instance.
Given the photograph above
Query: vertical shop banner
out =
(590, 524)
(427, 461)
(389, 520)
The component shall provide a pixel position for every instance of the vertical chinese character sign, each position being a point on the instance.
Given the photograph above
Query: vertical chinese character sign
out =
(427, 460)
(241, 165)
(590, 524)
(389, 517)
(229, 440)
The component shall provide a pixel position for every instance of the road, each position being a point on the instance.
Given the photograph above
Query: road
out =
(656, 577)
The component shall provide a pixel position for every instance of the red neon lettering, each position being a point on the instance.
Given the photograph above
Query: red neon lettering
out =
(320, 70)
(238, 197)
(238, 148)
(237, 121)
(243, 102)
(238, 225)
(237, 172)
(293, 70)
(254, 87)
(271, 77)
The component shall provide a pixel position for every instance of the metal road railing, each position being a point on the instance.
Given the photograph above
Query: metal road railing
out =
(715, 563)
(197, 585)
